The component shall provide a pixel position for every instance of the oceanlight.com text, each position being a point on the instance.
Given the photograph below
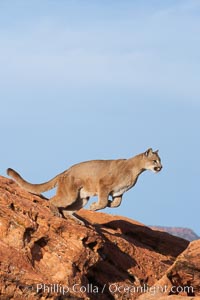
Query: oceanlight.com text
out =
(112, 288)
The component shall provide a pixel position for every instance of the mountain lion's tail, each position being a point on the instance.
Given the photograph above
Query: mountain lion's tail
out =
(33, 188)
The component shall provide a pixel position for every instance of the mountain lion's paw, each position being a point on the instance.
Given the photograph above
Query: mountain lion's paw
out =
(93, 206)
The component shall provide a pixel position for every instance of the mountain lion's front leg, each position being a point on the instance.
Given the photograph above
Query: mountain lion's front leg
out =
(115, 202)
(102, 201)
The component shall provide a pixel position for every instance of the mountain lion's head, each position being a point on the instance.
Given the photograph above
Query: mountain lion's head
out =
(152, 160)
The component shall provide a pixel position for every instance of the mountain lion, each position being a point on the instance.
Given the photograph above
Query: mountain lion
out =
(102, 178)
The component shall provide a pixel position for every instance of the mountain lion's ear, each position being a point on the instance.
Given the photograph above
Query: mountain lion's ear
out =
(156, 151)
(148, 152)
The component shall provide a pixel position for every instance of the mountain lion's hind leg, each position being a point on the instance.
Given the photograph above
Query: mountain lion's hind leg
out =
(67, 193)
(71, 209)
(70, 214)
(54, 210)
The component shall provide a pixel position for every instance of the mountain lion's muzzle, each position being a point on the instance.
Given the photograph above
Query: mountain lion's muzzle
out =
(158, 169)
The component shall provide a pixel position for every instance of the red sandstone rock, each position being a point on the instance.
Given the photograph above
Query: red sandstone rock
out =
(110, 257)
(182, 279)
(185, 233)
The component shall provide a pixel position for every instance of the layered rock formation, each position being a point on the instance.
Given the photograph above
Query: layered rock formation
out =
(182, 278)
(46, 257)
(185, 233)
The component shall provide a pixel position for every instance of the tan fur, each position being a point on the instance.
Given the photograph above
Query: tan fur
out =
(102, 178)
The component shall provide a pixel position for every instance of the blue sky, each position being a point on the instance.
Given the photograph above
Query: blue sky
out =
(83, 80)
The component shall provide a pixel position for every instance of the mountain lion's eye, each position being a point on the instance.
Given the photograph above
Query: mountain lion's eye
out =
(155, 161)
